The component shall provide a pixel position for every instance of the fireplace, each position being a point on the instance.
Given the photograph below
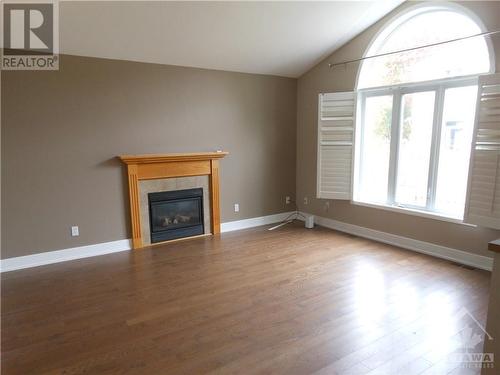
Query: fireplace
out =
(142, 168)
(176, 214)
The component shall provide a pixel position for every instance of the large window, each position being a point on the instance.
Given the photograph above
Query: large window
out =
(417, 113)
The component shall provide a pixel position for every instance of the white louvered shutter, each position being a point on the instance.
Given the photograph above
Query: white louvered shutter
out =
(483, 195)
(336, 120)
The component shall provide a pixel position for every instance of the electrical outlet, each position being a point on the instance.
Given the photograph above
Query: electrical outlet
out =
(306, 200)
(236, 207)
(327, 206)
(75, 231)
(287, 200)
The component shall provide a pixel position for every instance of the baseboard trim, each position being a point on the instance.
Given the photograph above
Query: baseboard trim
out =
(254, 222)
(50, 257)
(459, 256)
(443, 252)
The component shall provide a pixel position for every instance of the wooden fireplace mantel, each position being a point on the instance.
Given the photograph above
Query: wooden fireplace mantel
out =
(155, 166)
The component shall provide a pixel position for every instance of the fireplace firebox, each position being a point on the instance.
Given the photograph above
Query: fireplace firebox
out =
(176, 214)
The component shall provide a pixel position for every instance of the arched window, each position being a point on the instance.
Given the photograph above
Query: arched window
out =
(417, 112)
(420, 27)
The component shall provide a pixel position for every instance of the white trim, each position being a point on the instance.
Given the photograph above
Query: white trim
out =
(404, 15)
(318, 147)
(439, 88)
(49, 257)
(254, 222)
(459, 256)
(414, 212)
(443, 252)
(411, 87)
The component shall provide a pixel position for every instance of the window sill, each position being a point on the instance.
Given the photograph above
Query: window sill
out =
(409, 211)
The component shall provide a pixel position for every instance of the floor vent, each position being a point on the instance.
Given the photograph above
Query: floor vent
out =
(470, 268)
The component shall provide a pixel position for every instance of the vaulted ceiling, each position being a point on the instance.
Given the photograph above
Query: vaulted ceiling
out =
(278, 38)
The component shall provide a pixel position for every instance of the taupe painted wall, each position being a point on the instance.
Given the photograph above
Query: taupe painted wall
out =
(62, 130)
(323, 79)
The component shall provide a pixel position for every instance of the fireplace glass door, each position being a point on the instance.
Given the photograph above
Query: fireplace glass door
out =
(176, 214)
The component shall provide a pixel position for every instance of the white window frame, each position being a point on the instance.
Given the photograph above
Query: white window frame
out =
(397, 92)
(393, 23)
(426, 7)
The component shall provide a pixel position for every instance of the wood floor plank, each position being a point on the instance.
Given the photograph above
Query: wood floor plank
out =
(290, 301)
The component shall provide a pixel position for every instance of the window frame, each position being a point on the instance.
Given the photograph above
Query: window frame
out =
(397, 91)
(391, 25)
(412, 11)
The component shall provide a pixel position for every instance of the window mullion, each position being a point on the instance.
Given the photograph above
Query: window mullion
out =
(393, 157)
(435, 145)
(359, 145)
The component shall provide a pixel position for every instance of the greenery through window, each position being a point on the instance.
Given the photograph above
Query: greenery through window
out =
(417, 113)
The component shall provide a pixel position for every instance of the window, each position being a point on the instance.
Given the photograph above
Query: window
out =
(423, 26)
(417, 109)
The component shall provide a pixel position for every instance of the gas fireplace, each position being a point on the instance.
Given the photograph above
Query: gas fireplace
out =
(176, 214)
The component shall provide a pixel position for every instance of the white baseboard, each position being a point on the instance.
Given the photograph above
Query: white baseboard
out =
(49, 257)
(254, 222)
(458, 256)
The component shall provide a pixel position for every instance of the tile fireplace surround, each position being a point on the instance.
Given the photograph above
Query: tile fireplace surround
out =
(162, 166)
(171, 184)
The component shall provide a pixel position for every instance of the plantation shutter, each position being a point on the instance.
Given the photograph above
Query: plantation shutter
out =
(483, 195)
(335, 144)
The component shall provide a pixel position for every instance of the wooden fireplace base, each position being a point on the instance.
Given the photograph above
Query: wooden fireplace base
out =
(156, 166)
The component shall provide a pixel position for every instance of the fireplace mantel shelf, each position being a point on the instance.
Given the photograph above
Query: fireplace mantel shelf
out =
(161, 158)
(156, 166)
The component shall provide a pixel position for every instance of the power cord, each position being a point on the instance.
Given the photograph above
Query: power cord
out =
(290, 218)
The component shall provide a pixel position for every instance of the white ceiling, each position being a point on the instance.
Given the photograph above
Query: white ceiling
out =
(278, 38)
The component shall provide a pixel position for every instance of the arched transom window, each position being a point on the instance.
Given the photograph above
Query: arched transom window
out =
(425, 26)
(417, 112)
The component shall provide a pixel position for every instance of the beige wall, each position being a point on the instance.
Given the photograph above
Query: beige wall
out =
(62, 130)
(323, 79)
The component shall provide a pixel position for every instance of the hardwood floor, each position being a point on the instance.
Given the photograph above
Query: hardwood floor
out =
(290, 301)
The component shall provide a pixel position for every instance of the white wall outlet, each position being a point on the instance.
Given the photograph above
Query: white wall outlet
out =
(75, 231)
(236, 207)
(327, 206)
(287, 200)
(306, 200)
